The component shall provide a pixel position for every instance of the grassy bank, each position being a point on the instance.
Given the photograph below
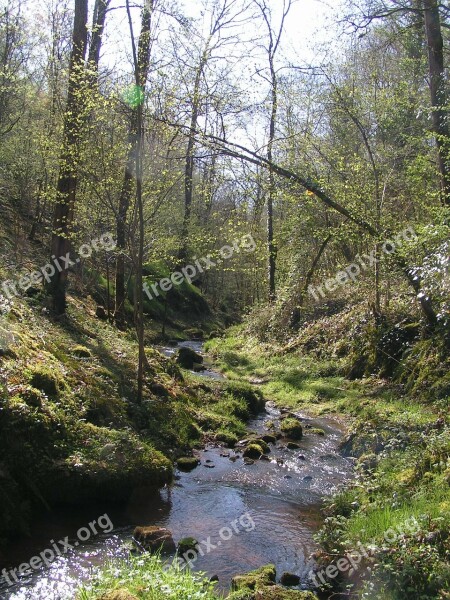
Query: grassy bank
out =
(401, 444)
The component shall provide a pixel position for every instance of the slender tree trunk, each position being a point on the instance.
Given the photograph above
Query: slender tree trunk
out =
(139, 308)
(189, 164)
(438, 93)
(67, 181)
(142, 68)
(121, 225)
(296, 313)
(271, 246)
(98, 26)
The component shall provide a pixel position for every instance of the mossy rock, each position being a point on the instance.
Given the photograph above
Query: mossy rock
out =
(264, 445)
(244, 594)
(229, 439)
(252, 397)
(81, 352)
(187, 463)
(47, 381)
(269, 439)
(155, 539)
(120, 594)
(187, 358)
(32, 396)
(293, 446)
(253, 451)
(254, 580)
(316, 431)
(194, 333)
(187, 543)
(292, 428)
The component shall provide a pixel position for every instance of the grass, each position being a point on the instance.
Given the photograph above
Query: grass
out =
(149, 578)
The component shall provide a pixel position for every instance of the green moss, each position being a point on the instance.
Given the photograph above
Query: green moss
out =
(315, 430)
(277, 592)
(46, 379)
(292, 428)
(253, 451)
(229, 439)
(264, 445)
(187, 463)
(187, 543)
(251, 395)
(255, 579)
(81, 352)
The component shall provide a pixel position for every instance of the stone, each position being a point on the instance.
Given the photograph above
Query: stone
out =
(289, 579)
(269, 439)
(253, 451)
(187, 543)
(101, 313)
(154, 538)
(187, 463)
(316, 430)
(292, 446)
(187, 358)
(264, 576)
(292, 428)
(198, 368)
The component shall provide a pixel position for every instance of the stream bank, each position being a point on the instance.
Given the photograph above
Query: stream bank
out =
(281, 496)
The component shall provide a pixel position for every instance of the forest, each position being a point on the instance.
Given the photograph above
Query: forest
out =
(224, 299)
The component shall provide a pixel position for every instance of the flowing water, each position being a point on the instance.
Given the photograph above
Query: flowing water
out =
(243, 515)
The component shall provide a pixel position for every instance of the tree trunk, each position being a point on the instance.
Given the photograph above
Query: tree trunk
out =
(67, 181)
(189, 164)
(296, 313)
(438, 93)
(98, 26)
(142, 68)
(271, 246)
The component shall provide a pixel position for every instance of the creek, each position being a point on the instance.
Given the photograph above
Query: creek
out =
(271, 508)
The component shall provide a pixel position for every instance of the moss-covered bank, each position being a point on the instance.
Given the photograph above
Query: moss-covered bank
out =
(71, 429)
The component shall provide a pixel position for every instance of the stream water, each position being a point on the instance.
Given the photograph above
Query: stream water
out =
(243, 515)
